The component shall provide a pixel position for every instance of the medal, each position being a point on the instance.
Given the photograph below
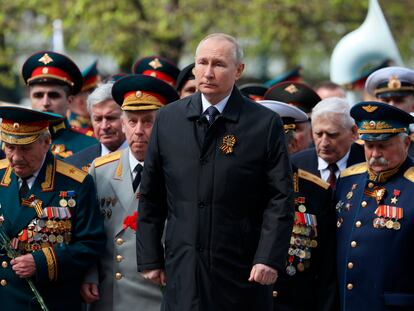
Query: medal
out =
(290, 270)
(300, 266)
(63, 202)
(389, 224)
(302, 208)
(71, 202)
(349, 195)
(228, 143)
(396, 225)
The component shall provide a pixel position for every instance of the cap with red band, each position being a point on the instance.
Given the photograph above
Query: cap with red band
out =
(158, 67)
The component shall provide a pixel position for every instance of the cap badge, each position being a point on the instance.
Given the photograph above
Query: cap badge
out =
(45, 59)
(370, 108)
(291, 89)
(394, 83)
(155, 63)
(16, 125)
(45, 70)
(138, 94)
(228, 143)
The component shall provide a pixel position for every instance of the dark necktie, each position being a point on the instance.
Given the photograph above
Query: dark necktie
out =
(137, 179)
(212, 113)
(333, 168)
(24, 188)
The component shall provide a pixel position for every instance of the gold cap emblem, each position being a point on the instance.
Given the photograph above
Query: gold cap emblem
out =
(155, 63)
(45, 70)
(291, 89)
(370, 108)
(16, 125)
(45, 59)
(394, 83)
(138, 94)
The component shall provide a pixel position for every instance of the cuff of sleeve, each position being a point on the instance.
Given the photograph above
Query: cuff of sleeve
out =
(151, 266)
(46, 264)
(269, 263)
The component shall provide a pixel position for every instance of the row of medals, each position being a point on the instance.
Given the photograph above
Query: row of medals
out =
(301, 243)
(64, 203)
(381, 222)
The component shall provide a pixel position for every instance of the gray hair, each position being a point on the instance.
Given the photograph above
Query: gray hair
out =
(102, 93)
(334, 106)
(238, 51)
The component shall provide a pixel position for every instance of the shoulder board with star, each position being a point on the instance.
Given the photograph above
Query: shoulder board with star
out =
(409, 174)
(313, 178)
(354, 169)
(4, 163)
(110, 157)
(70, 171)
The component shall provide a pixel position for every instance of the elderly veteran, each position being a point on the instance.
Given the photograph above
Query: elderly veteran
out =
(116, 284)
(375, 215)
(49, 212)
(310, 268)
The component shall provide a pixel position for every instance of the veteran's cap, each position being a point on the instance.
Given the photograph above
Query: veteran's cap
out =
(294, 93)
(141, 92)
(158, 67)
(52, 67)
(255, 91)
(90, 77)
(294, 75)
(391, 82)
(379, 121)
(23, 126)
(187, 73)
(290, 114)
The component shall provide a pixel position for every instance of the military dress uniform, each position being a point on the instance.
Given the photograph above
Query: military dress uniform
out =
(57, 221)
(54, 68)
(375, 222)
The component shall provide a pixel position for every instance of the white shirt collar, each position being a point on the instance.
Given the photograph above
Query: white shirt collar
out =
(323, 166)
(133, 162)
(105, 151)
(220, 105)
(30, 181)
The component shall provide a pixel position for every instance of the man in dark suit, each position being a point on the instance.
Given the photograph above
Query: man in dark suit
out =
(334, 133)
(107, 126)
(225, 188)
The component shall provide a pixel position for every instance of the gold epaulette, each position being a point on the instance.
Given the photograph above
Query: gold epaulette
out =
(70, 171)
(355, 169)
(110, 157)
(409, 174)
(4, 163)
(313, 178)
(360, 142)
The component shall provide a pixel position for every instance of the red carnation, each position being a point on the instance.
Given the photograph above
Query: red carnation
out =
(131, 221)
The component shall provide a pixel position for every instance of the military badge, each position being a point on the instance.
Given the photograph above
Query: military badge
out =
(228, 143)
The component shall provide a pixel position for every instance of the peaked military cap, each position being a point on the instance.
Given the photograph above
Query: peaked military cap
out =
(90, 77)
(52, 67)
(158, 67)
(22, 126)
(294, 75)
(294, 93)
(391, 82)
(254, 91)
(379, 121)
(187, 73)
(141, 92)
(290, 114)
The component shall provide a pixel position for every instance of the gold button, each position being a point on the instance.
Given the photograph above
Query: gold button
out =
(353, 244)
(3, 282)
(118, 276)
(4, 264)
(350, 265)
(119, 241)
(358, 224)
(350, 286)
(275, 294)
(119, 258)
(364, 203)
(370, 185)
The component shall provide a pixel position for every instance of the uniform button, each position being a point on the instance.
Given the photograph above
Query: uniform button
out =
(353, 244)
(350, 286)
(4, 264)
(118, 276)
(370, 185)
(119, 241)
(364, 203)
(119, 258)
(3, 282)
(350, 265)
(358, 224)
(274, 294)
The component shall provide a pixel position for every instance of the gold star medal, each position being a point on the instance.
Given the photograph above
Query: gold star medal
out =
(228, 143)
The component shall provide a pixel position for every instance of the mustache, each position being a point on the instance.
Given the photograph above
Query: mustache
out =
(378, 161)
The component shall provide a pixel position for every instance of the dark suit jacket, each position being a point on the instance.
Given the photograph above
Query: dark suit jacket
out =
(308, 159)
(225, 211)
(84, 158)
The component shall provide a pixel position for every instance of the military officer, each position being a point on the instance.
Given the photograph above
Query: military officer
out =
(309, 280)
(49, 215)
(116, 285)
(254, 91)
(53, 79)
(158, 67)
(375, 215)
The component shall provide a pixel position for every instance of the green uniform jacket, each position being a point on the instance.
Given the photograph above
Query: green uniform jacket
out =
(64, 238)
(66, 141)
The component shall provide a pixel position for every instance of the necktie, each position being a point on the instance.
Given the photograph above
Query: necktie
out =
(24, 188)
(212, 113)
(332, 176)
(137, 179)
